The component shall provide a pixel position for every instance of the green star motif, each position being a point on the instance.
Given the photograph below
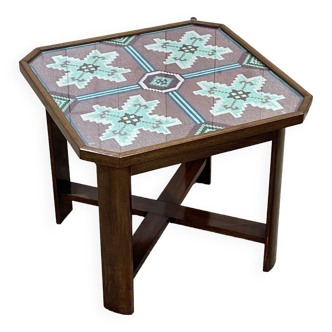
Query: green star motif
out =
(185, 52)
(125, 124)
(81, 72)
(234, 99)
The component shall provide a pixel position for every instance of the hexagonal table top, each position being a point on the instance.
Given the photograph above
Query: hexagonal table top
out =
(141, 90)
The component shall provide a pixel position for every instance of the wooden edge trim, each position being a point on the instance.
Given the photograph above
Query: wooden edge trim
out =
(202, 153)
(267, 62)
(135, 157)
(210, 139)
(31, 55)
(100, 157)
(50, 105)
(306, 103)
(231, 33)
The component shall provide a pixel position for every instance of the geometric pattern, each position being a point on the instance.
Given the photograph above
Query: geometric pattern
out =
(234, 99)
(121, 41)
(206, 128)
(185, 52)
(81, 72)
(62, 102)
(125, 124)
(252, 61)
(160, 81)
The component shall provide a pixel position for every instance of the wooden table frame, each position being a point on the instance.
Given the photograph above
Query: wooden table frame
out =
(124, 254)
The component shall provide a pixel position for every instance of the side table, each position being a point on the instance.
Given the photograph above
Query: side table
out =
(141, 100)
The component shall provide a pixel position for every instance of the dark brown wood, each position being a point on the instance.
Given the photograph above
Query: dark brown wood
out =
(202, 153)
(204, 220)
(272, 221)
(177, 147)
(114, 195)
(205, 176)
(239, 39)
(153, 225)
(77, 192)
(194, 143)
(60, 169)
(82, 193)
(52, 108)
(178, 214)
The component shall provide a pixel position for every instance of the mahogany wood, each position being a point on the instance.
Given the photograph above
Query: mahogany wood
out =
(177, 147)
(203, 220)
(272, 221)
(153, 225)
(202, 153)
(178, 214)
(52, 108)
(114, 196)
(205, 176)
(60, 169)
(191, 144)
(122, 253)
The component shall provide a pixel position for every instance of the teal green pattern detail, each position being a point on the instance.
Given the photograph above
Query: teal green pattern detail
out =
(81, 72)
(125, 124)
(206, 128)
(62, 102)
(161, 81)
(234, 99)
(252, 61)
(121, 41)
(184, 53)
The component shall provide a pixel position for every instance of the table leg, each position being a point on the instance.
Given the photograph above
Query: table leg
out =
(60, 168)
(114, 196)
(205, 176)
(271, 235)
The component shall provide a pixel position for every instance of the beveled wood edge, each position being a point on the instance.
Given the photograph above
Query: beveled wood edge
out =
(99, 156)
(191, 144)
(267, 62)
(52, 108)
(138, 156)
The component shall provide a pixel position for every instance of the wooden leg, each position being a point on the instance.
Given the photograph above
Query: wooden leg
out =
(60, 169)
(114, 195)
(205, 176)
(271, 235)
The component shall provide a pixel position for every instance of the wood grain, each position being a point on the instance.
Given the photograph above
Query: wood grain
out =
(272, 221)
(59, 168)
(201, 153)
(171, 148)
(114, 196)
(52, 108)
(153, 225)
